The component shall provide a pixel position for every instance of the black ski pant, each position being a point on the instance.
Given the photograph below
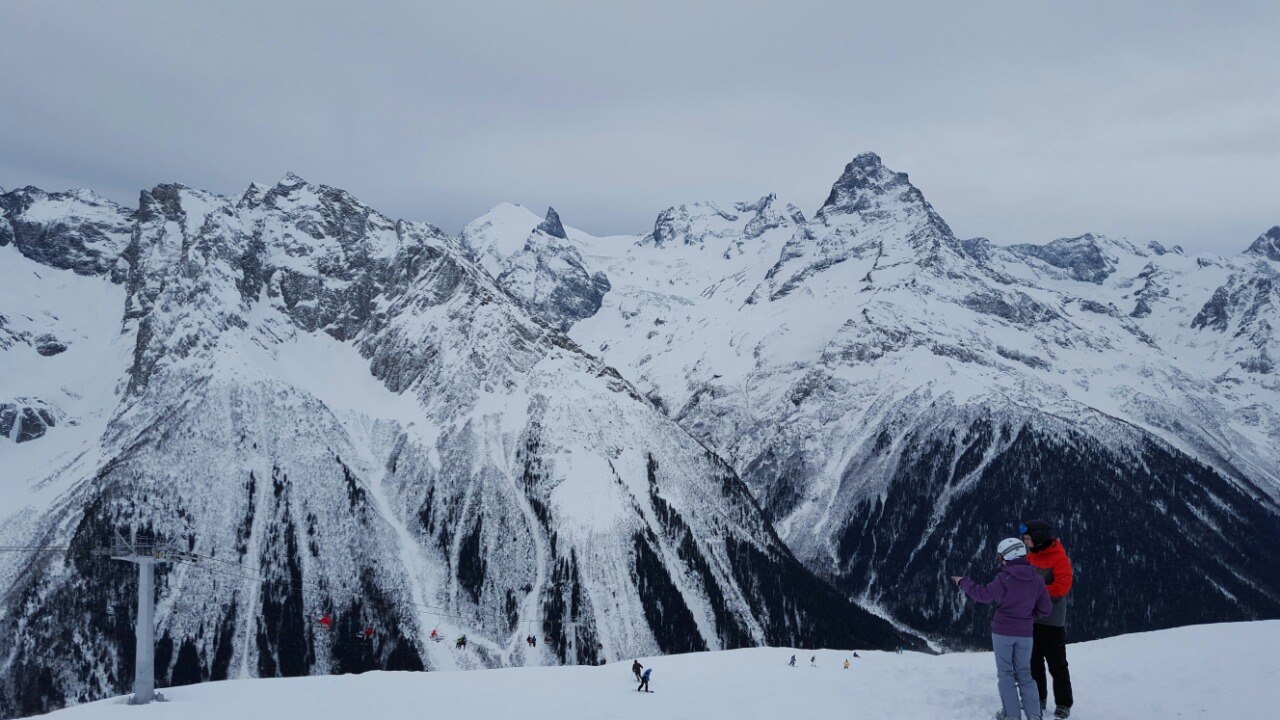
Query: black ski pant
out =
(1049, 645)
(644, 685)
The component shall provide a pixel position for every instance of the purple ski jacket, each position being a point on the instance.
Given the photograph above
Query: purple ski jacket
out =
(1019, 594)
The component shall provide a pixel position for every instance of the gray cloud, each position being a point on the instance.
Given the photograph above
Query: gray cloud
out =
(1021, 121)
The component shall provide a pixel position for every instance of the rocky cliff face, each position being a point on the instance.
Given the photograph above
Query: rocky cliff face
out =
(337, 413)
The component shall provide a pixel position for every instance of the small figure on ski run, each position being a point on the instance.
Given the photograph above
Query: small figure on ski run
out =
(899, 649)
(1020, 598)
(856, 655)
(460, 643)
(813, 661)
(793, 661)
(325, 621)
(644, 681)
(846, 664)
(636, 667)
(1049, 641)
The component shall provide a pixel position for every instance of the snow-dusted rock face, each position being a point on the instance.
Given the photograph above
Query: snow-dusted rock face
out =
(546, 274)
(1267, 245)
(77, 230)
(340, 413)
(898, 398)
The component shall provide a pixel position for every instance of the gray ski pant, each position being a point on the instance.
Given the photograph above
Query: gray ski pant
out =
(1013, 676)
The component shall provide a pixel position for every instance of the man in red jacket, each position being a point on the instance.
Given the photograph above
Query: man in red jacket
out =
(1049, 636)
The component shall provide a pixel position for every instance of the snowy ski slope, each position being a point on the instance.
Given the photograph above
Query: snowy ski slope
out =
(1205, 671)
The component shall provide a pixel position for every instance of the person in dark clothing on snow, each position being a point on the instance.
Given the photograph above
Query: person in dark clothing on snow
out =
(636, 667)
(1020, 599)
(793, 661)
(1050, 640)
(644, 681)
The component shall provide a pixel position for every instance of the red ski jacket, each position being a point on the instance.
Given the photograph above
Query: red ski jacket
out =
(1054, 559)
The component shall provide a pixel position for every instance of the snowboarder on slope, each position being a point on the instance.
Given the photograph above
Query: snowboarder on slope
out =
(846, 664)
(793, 661)
(636, 667)
(813, 661)
(644, 681)
(460, 643)
(1049, 641)
(1020, 599)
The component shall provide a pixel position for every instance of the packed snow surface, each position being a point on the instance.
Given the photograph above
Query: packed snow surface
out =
(1205, 671)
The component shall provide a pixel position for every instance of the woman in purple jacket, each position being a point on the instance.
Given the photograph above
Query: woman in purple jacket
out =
(1020, 597)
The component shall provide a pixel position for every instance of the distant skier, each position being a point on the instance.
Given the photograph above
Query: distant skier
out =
(460, 643)
(636, 667)
(899, 649)
(1050, 634)
(325, 621)
(813, 661)
(1020, 598)
(846, 664)
(644, 681)
(793, 661)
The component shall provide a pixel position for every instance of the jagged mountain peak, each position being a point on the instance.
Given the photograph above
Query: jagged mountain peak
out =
(77, 230)
(1089, 257)
(252, 195)
(551, 224)
(1267, 245)
(693, 224)
(867, 185)
(690, 224)
(291, 180)
(498, 234)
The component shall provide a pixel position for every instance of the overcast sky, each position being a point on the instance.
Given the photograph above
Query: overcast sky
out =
(1021, 121)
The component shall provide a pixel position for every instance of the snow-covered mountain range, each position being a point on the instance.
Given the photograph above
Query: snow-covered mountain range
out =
(898, 398)
(745, 427)
(342, 414)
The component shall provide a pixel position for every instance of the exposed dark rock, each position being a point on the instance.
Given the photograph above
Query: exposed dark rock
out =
(1267, 245)
(85, 234)
(48, 345)
(26, 419)
(551, 225)
(1081, 255)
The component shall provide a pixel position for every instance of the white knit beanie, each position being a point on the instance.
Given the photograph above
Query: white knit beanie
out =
(1011, 548)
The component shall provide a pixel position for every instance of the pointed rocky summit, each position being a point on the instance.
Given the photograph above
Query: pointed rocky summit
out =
(1267, 245)
(551, 225)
